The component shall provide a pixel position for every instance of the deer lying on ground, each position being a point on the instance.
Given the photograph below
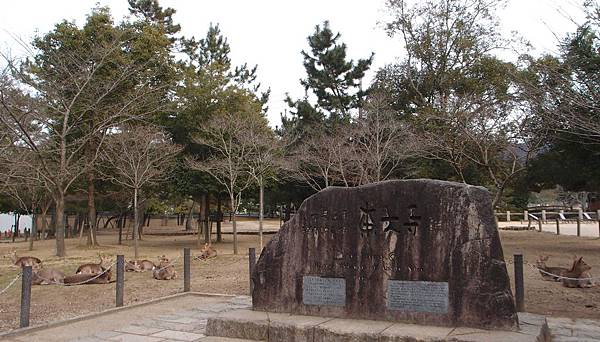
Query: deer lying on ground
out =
(23, 261)
(578, 270)
(88, 278)
(94, 268)
(139, 266)
(207, 252)
(46, 276)
(541, 265)
(164, 270)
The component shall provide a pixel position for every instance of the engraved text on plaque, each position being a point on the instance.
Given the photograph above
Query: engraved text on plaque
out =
(323, 291)
(418, 296)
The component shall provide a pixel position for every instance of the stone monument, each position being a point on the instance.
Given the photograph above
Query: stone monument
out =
(420, 251)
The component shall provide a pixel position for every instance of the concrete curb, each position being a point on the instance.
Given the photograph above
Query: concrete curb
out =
(53, 324)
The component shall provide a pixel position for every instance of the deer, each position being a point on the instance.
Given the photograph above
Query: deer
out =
(143, 265)
(89, 278)
(207, 252)
(132, 266)
(23, 261)
(164, 270)
(579, 269)
(555, 271)
(94, 268)
(46, 276)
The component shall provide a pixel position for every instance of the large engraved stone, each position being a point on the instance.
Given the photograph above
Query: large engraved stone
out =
(420, 251)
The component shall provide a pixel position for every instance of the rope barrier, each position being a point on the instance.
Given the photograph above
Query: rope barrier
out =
(11, 283)
(50, 281)
(558, 277)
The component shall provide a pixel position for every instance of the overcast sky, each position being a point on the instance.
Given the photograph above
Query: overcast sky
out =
(271, 33)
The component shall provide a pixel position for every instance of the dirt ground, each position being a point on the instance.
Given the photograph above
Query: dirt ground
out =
(228, 274)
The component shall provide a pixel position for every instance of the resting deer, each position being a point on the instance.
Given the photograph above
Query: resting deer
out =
(94, 268)
(164, 270)
(132, 266)
(207, 252)
(142, 265)
(80, 278)
(23, 261)
(558, 271)
(45, 276)
(578, 270)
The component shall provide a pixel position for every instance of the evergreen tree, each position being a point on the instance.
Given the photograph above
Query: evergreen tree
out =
(334, 80)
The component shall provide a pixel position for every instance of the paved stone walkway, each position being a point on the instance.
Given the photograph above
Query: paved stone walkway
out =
(184, 318)
(178, 319)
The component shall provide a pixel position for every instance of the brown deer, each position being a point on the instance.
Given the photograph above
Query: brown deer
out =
(94, 268)
(578, 270)
(88, 278)
(23, 261)
(164, 270)
(207, 252)
(144, 265)
(46, 276)
(132, 266)
(541, 265)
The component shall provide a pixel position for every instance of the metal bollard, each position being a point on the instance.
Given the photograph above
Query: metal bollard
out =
(578, 226)
(120, 286)
(26, 296)
(252, 263)
(519, 286)
(557, 227)
(186, 269)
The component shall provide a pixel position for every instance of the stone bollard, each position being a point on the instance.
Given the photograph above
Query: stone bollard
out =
(251, 264)
(26, 296)
(519, 286)
(120, 285)
(186, 269)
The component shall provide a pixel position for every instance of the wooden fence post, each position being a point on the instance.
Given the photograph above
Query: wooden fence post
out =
(252, 264)
(540, 225)
(26, 296)
(508, 216)
(120, 286)
(578, 226)
(519, 286)
(557, 226)
(186, 269)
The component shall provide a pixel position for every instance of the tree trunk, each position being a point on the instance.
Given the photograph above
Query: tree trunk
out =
(219, 218)
(33, 229)
(44, 222)
(190, 217)
(261, 212)
(91, 206)
(201, 204)
(135, 223)
(59, 225)
(234, 219)
(206, 218)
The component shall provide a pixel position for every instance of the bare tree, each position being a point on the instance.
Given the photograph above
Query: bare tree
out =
(55, 119)
(135, 157)
(381, 141)
(228, 161)
(262, 163)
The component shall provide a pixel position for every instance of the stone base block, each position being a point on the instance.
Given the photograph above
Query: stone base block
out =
(278, 327)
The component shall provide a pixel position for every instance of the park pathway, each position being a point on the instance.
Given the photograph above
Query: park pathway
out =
(183, 318)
